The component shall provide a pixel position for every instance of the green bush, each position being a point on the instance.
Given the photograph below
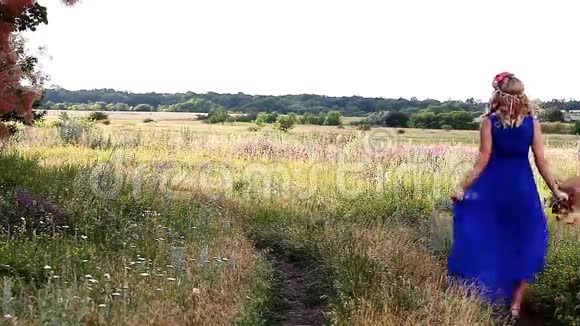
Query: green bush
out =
(75, 131)
(285, 122)
(218, 116)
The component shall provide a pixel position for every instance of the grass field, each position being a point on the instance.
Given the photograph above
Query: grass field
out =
(179, 222)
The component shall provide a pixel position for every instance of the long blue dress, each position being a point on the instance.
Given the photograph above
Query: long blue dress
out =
(500, 232)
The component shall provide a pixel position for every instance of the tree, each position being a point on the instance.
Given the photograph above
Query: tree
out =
(17, 68)
(552, 115)
(272, 117)
(396, 119)
(424, 120)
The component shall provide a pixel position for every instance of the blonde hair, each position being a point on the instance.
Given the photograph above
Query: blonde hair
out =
(508, 101)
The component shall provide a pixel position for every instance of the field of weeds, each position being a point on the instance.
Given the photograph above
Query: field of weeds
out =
(183, 223)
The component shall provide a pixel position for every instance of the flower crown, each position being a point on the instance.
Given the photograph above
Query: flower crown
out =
(500, 78)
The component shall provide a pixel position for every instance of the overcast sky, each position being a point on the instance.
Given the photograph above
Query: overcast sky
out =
(425, 48)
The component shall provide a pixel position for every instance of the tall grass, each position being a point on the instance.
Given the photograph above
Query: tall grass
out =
(166, 223)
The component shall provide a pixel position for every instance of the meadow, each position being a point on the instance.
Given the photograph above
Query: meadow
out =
(178, 222)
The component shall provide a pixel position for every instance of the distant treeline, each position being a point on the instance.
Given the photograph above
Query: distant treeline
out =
(111, 100)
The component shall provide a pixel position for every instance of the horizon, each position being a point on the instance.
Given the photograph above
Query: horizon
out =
(366, 48)
(479, 100)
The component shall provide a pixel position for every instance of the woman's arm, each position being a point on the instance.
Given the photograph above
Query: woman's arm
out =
(540, 158)
(485, 145)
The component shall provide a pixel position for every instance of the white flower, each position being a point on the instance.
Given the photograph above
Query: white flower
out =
(128, 268)
(196, 291)
(46, 267)
(144, 274)
(107, 276)
(159, 290)
(225, 259)
(84, 260)
(116, 294)
(8, 316)
(93, 281)
(88, 276)
(102, 305)
(84, 237)
(56, 277)
(171, 279)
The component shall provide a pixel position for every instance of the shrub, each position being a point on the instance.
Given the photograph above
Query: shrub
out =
(148, 120)
(285, 123)
(75, 131)
(219, 116)
(97, 116)
(71, 130)
(333, 118)
(106, 122)
(401, 131)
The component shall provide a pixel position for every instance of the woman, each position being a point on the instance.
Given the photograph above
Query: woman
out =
(500, 233)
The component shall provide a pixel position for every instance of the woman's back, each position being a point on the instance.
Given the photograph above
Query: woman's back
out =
(512, 142)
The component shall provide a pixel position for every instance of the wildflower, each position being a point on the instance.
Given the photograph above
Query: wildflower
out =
(8, 316)
(196, 291)
(171, 279)
(93, 281)
(225, 259)
(102, 305)
(107, 276)
(141, 259)
(128, 268)
(98, 268)
(144, 274)
(46, 267)
(84, 260)
(84, 237)
(159, 290)
(116, 294)
(169, 266)
(88, 276)
(56, 277)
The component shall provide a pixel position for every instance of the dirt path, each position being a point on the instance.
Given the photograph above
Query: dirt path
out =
(299, 293)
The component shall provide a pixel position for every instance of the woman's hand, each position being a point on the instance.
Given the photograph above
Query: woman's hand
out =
(457, 195)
